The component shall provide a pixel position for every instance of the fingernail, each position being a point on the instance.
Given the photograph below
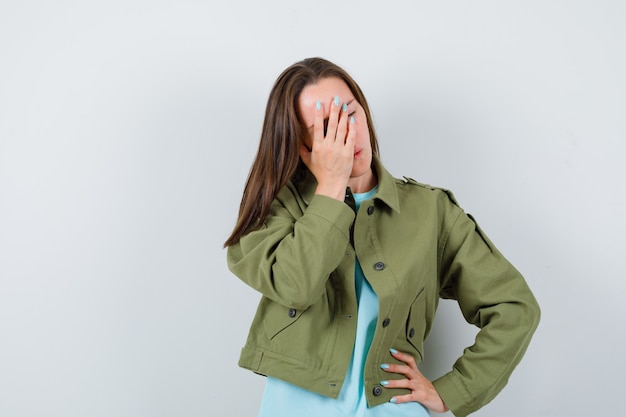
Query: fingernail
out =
(384, 383)
(384, 366)
(344, 107)
(336, 100)
(318, 105)
(393, 400)
(351, 120)
(393, 351)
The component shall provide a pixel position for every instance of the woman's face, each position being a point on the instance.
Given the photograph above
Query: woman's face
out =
(325, 90)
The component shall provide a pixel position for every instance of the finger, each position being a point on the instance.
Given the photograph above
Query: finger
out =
(402, 399)
(404, 357)
(318, 122)
(397, 383)
(342, 127)
(333, 119)
(398, 369)
(351, 132)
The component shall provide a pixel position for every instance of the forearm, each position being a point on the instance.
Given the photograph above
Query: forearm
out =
(493, 296)
(485, 367)
(289, 259)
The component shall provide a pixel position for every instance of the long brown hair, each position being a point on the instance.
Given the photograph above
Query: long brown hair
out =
(278, 158)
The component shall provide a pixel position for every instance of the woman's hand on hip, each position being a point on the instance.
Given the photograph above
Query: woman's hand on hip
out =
(331, 154)
(422, 390)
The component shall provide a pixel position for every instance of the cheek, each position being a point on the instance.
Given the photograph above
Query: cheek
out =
(362, 129)
(360, 119)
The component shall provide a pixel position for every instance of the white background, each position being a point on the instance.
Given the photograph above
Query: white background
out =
(127, 129)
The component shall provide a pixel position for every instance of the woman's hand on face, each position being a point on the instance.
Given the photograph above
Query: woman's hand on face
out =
(422, 390)
(332, 150)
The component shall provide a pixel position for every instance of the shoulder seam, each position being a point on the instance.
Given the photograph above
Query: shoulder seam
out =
(409, 180)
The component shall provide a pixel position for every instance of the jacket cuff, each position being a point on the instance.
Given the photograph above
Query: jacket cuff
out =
(336, 212)
(454, 394)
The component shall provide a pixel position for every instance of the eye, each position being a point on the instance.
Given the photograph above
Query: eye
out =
(325, 126)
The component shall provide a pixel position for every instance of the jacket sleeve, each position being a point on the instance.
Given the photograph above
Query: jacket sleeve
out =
(290, 258)
(493, 296)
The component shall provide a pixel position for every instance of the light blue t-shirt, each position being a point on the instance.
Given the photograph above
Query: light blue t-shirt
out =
(282, 399)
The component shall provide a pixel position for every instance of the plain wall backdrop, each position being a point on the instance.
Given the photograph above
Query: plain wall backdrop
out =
(127, 129)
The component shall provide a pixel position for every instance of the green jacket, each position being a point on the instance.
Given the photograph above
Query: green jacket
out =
(415, 245)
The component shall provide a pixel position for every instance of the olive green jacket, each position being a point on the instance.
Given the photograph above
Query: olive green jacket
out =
(415, 245)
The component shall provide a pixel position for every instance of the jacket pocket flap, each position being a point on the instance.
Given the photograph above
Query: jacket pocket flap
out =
(415, 324)
(277, 318)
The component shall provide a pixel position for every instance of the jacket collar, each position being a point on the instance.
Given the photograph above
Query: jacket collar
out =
(387, 191)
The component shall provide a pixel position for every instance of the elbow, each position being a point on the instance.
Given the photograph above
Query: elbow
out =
(528, 316)
(535, 314)
(299, 304)
(298, 297)
(295, 291)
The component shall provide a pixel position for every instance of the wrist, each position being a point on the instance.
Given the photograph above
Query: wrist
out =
(338, 192)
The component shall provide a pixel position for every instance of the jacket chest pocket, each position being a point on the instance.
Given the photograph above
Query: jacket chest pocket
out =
(416, 324)
(277, 318)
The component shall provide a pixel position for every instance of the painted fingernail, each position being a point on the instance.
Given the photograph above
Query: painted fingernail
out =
(344, 107)
(336, 100)
(393, 351)
(351, 120)
(384, 383)
(318, 105)
(393, 400)
(384, 366)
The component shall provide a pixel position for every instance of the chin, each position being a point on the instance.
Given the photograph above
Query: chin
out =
(362, 165)
(360, 169)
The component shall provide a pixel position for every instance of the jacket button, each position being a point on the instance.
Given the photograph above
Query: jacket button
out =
(386, 322)
(379, 266)
(292, 312)
(411, 332)
(377, 390)
(370, 210)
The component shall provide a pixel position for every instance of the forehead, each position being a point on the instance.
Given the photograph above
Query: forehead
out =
(325, 91)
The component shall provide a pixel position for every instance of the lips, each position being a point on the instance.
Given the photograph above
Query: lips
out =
(357, 153)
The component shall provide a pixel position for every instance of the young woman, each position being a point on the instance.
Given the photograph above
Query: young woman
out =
(351, 263)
